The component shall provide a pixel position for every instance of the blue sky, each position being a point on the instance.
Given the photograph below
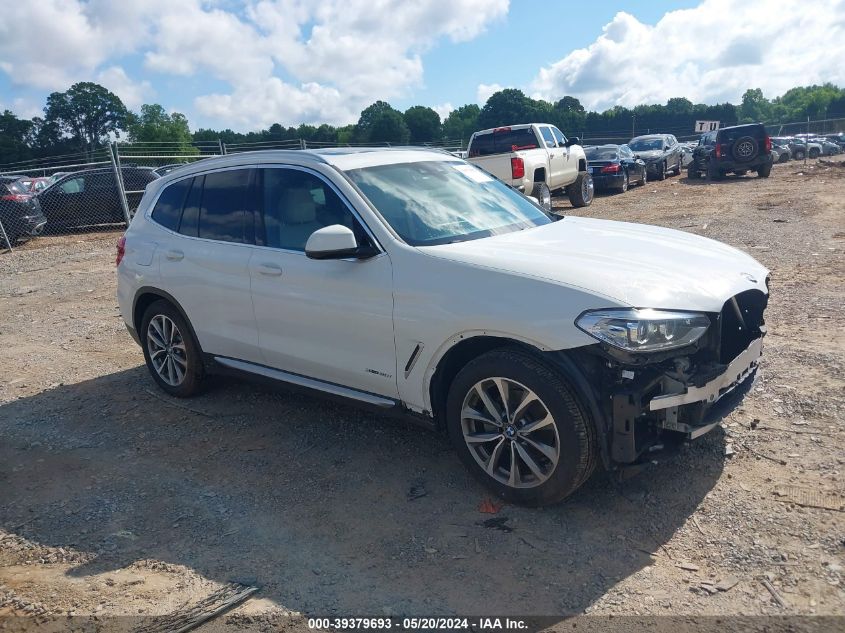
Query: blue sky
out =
(245, 64)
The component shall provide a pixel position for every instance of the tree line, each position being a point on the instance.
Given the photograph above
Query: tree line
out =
(87, 115)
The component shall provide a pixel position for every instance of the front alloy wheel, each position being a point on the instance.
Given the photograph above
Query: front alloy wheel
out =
(510, 432)
(520, 427)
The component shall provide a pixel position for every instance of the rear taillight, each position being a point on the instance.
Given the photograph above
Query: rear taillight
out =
(610, 169)
(16, 197)
(517, 168)
(121, 250)
(718, 150)
(768, 143)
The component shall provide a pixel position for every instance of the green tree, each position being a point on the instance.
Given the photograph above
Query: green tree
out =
(88, 113)
(381, 123)
(15, 138)
(155, 125)
(754, 108)
(423, 124)
(511, 107)
(461, 123)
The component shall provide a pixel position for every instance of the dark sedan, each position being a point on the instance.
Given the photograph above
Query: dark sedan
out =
(614, 167)
(20, 213)
(661, 152)
(91, 197)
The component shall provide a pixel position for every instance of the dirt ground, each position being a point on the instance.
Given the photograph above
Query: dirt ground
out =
(116, 500)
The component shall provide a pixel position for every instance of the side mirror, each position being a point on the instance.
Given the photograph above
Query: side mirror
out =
(336, 242)
(573, 141)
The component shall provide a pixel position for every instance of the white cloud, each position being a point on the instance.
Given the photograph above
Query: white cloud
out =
(443, 110)
(711, 53)
(485, 91)
(132, 93)
(287, 61)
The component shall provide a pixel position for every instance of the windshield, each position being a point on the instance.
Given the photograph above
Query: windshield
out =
(645, 144)
(601, 153)
(439, 202)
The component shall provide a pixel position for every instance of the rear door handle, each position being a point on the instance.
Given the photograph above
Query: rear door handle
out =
(269, 269)
(175, 256)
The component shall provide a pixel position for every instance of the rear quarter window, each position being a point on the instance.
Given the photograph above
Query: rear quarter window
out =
(168, 209)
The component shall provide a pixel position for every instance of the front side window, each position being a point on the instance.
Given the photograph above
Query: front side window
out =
(296, 203)
(548, 136)
(73, 185)
(438, 202)
(559, 137)
(226, 212)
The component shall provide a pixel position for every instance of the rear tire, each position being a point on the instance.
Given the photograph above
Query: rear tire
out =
(173, 356)
(580, 192)
(799, 155)
(814, 153)
(764, 171)
(692, 174)
(661, 173)
(624, 186)
(713, 172)
(678, 168)
(552, 458)
(542, 193)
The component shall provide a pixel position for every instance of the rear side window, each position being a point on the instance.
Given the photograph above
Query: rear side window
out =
(227, 212)
(191, 213)
(168, 209)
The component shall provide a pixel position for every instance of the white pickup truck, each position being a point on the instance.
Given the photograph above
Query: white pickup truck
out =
(536, 159)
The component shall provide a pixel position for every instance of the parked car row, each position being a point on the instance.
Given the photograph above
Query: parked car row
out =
(69, 200)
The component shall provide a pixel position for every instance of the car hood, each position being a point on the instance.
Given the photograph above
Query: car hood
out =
(650, 154)
(631, 264)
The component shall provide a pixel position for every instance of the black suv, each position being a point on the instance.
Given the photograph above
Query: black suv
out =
(738, 149)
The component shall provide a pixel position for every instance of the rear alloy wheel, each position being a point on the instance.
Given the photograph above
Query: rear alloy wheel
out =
(543, 195)
(645, 177)
(624, 186)
(798, 155)
(172, 355)
(661, 171)
(519, 427)
(678, 168)
(581, 191)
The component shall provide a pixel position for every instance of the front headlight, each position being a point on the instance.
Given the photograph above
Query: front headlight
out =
(644, 330)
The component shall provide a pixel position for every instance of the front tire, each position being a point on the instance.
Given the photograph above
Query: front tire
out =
(581, 191)
(520, 428)
(173, 357)
(814, 153)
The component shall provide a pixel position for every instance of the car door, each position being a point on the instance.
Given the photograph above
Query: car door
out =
(326, 319)
(204, 261)
(635, 167)
(570, 165)
(557, 158)
(61, 202)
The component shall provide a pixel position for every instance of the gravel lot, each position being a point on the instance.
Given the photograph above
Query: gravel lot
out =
(117, 500)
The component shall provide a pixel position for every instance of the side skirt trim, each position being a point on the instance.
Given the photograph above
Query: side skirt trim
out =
(302, 381)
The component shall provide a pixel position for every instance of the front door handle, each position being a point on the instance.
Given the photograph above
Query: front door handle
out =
(175, 256)
(269, 269)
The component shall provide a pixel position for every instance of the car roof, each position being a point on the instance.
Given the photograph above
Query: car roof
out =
(344, 158)
(646, 136)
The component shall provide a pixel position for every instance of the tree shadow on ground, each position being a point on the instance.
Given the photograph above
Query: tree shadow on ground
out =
(330, 510)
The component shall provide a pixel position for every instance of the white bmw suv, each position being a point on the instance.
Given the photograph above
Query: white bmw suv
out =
(411, 280)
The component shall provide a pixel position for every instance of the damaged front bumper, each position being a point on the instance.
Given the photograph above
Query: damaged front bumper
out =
(689, 404)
